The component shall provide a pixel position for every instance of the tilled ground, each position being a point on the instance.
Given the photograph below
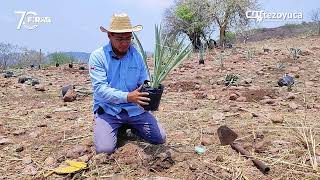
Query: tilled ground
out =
(38, 131)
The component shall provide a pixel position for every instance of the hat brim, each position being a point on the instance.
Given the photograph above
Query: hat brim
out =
(133, 29)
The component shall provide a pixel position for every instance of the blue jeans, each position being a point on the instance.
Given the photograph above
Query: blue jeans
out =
(107, 126)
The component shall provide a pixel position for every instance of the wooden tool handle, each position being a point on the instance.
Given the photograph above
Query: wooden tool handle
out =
(264, 168)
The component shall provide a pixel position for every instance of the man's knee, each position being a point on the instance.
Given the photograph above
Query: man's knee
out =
(160, 138)
(109, 149)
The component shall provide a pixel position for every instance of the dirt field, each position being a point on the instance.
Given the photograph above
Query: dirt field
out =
(38, 131)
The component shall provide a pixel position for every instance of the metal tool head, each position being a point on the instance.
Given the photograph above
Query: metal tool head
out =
(226, 135)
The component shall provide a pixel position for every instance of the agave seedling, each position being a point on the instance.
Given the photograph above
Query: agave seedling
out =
(295, 52)
(231, 79)
(166, 57)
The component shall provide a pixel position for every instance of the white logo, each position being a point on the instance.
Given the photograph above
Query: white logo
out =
(261, 15)
(31, 20)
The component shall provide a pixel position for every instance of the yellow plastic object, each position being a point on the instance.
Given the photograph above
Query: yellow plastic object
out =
(74, 166)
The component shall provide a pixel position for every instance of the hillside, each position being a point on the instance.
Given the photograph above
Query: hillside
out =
(38, 131)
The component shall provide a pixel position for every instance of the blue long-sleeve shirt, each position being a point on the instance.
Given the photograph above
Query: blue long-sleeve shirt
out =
(112, 79)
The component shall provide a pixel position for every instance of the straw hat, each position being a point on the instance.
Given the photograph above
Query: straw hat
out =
(120, 23)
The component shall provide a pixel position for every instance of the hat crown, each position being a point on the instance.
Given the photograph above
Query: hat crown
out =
(120, 22)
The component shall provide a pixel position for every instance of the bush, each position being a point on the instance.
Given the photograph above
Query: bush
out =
(60, 58)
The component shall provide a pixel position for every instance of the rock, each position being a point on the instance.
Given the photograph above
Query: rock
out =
(260, 147)
(39, 88)
(77, 151)
(70, 96)
(65, 89)
(34, 82)
(63, 109)
(30, 170)
(206, 141)
(217, 116)
(293, 69)
(82, 68)
(85, 158)
(50, 162)
(34, 134)
(247, 81)
(219, 158)
(293, 106)
(19, 132)
(27, 160)
(291, 96)
(22, 80)
(233, 96)
(277, 119)
(8, 74)
(20, 148)
(5, 141)
(241, 99)
(267, 101)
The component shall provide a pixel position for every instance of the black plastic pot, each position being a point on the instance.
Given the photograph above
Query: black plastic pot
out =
(154, 95)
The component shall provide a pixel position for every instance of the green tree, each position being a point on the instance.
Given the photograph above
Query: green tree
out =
(60, 58)
(190, 17)
(231, 13)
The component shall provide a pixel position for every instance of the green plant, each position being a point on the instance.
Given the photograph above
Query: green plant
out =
(231, 79)
(60, 58)
(295, 53)
(166, 58)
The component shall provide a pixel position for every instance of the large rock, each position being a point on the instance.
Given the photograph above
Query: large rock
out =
(65, 89)
(70, 96)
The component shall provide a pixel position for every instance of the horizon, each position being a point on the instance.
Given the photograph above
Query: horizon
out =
(75, 24)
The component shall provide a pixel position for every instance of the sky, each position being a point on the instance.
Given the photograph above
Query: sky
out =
(75, 23)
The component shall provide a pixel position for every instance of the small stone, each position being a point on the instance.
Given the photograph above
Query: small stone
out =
(20, 148)
(293, 106)
(277, 119)
(48, 116)
(267, 101)
(219, 158)
(260, 147)
(77, 151)
(85, 158)
(241, 99)
(50, 162)
(70, 96)
(39, 88)
(5, 141)
(34, 82)
(233, 96)
(206, 141)
(19, 132)
(27, 160)
(30, 170)
(291, 96)
(218, 116)
(42, 125)
(34, 134)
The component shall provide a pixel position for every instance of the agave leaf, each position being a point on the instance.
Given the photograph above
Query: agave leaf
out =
(143, 53)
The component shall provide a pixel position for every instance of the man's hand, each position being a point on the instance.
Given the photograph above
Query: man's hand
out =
(138, 97)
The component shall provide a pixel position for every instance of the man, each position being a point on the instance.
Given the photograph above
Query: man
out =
(117, 72)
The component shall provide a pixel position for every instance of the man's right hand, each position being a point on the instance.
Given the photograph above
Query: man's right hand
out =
(138, 97)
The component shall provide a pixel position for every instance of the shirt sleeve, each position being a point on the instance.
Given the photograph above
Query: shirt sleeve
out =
(101, 87)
